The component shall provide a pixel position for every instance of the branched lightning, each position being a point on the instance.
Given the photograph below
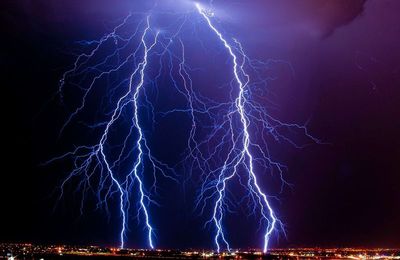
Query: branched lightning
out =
(228, 140)
(241, 158)
(243, 148)
(141, 139)
(89, 159)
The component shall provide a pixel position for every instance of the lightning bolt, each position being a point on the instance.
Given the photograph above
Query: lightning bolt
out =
(243, 144)
(90, 159)
(141, 139)
(235, 146)
(244, 154)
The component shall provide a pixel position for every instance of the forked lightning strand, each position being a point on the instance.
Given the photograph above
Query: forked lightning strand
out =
(89, 159)
(228, 140)
(245, 154)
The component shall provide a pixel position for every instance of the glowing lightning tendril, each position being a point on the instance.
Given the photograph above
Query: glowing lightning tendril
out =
(240, 105)
(232, 147)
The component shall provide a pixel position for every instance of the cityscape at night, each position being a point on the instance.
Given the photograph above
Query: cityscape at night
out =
(192, 129)
(25, 251)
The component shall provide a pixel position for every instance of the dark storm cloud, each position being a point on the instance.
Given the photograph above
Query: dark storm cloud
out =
(327, 16)
(337, 13)
(315, 17)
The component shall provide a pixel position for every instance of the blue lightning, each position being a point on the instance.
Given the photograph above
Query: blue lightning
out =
(227, 140)
(89, 159)
(240, 103)
(141, 136)
(243, 128)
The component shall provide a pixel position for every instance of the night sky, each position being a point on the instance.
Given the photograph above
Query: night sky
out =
(345, 83)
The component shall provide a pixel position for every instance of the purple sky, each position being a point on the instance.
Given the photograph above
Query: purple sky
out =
(345, 82)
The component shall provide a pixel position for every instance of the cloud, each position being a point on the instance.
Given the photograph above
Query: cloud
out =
(334, 14)
(314, 17)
